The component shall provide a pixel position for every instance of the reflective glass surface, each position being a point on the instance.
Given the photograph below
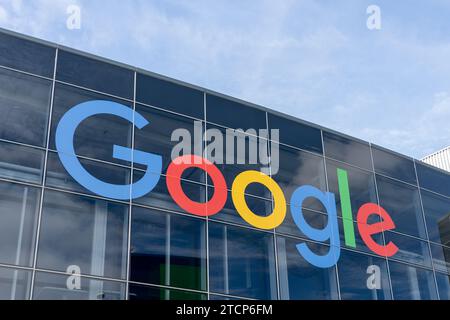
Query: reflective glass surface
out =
(25, 103)
(393, 165)
(300, 280)
(437, 216)
(347, 150)
(168, 249)
(50, 286)
(411, 283)
(95, 74)
(296, 134)
(19, 207)
(15, 284)
(97, 230)
(402, 202)
(363, 277)
(241, 262)
(21, 163)
(169, 96)
(410, 249)
(433, 179)
(25, 55)
(96, 135)
(443, 283)
(223, 111)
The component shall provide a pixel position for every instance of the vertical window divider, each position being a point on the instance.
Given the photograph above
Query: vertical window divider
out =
(44, 174)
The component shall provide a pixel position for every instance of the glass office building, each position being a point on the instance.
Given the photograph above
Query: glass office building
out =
(52, 229)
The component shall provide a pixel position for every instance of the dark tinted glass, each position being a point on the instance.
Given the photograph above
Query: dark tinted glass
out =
(297, 134)
(159, 197)
(223, 111)
(443, 283)
(433, 179)
(300, 280)
(94, 74)
(19, 207)
(437, 216)
(393, 165)
(315, 219)
(361, 186)
(14, 284)
(26, 55)
(298, 168)
(141, 292)
(402, 202)
(410, 249)
(411, 283)
(363, 277)
(242, 262)
(259, 206)
(441, 258)
(236, 152)
(169, 96)
(97, 230)
(347, 150)
(58, 177)
(49, 286)
(24, 101)
(96, 135)
(360, 244)
(21, 163)
(168, 249)
(157, 138)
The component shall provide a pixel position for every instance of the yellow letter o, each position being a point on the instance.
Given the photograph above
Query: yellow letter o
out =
(241, 183)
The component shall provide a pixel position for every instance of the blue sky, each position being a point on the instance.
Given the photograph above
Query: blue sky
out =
(315, 60)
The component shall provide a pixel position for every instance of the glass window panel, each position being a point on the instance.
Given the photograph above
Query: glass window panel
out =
(300, 280)
(140, 292)
(441, 258)
(360, 244)
(15, 284)
(159, 197)
(97, 230)
(240, 162)
(58, 177)
(168, 249)
(259, 206)
(242, 262)
(223, 112)
(25, 55)
(156, 138)
(297, 134)
(24, 101)
(48, 286)
(95, 136)
(361, 186)
(298, 168)
(21, 163)
(315, 219)
(169, 96)
(94, 74)
(363, 277)
(433, 179)
(410, 249)
(216, 297)
(443, 283)
(437, 216)
(411, 283)
(393, 165)
(19, 206)
(402, 202)
(347, 150)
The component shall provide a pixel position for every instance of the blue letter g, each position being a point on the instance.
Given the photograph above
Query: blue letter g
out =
(64, 145)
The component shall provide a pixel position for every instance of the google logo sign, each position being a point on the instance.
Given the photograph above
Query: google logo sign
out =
(64, 144)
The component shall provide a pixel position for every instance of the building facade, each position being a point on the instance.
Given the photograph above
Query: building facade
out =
(440, 159)
(59, 240)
